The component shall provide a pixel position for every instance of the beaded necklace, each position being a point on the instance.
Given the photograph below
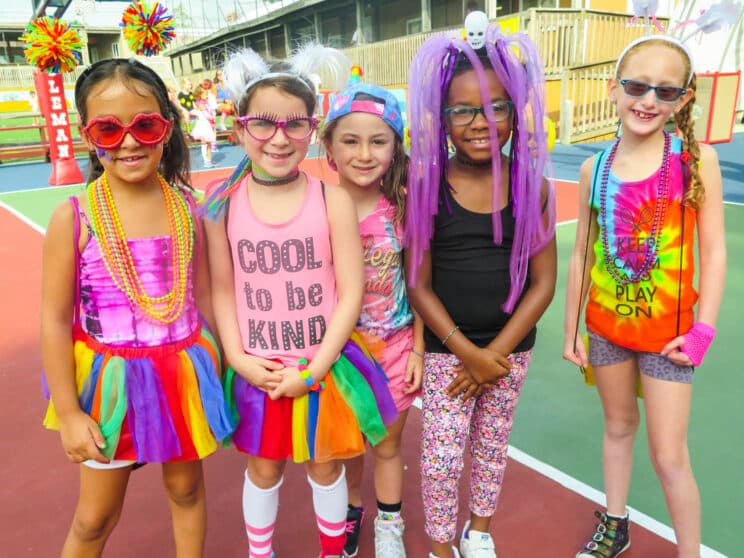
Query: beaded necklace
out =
(117, 256)
(652, 246)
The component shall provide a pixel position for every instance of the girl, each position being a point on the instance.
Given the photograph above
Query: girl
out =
(138, 378)
(364, 139)
(482, 252)
(285, 254)
(225, 106)
(639, 203)
(204, 130)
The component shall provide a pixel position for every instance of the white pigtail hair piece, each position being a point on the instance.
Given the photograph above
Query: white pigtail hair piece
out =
(330, 64)
(242, 67)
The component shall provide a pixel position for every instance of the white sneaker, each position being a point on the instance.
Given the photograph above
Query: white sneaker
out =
(389, 538)
(475, 544)
(455, 554)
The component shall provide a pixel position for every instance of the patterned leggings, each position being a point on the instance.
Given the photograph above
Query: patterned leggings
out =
(485, 422)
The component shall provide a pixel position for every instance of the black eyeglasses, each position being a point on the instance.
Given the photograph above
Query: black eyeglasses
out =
(664, 93)
(463, 115)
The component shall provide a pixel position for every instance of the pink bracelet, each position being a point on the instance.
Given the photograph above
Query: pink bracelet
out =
(697, 341)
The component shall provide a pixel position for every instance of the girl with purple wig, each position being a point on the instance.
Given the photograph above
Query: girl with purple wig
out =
(482, 260)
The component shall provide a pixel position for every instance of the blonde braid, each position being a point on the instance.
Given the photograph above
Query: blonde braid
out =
(683, 119)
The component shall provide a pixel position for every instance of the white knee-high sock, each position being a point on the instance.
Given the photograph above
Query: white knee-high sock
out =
(260, 507)
(204, 153)
(330, 503)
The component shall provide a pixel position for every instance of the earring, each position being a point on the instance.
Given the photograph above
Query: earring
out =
(619, 128)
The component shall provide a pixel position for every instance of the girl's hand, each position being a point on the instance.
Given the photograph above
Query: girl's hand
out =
(81, 438)
(464, 385)
(672, 352)
(257, 371)
(577, 354)
(414, 372)
(292, 385)
(486, 365)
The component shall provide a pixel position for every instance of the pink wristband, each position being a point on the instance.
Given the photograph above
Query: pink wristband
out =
(697, 341)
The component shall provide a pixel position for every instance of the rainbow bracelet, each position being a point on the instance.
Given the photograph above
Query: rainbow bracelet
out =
(310, 382)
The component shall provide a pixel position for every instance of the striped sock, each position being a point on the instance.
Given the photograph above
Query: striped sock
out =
(260, 507)
(330, 503)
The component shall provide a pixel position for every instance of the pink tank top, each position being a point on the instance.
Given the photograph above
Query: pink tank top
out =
(285, 285)
(105, 311)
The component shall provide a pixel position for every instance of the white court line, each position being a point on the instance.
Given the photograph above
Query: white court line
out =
(565, 480)
(23, 218)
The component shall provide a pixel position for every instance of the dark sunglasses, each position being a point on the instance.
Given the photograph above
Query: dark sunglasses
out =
(664, 93)
(109, 133)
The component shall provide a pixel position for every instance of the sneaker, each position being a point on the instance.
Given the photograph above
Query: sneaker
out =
(354, 518)
(389, 538)
(476, 544)
(209, 165)
(611, 538)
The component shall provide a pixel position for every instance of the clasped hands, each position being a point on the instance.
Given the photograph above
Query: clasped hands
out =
(478, 369)
(270, 376)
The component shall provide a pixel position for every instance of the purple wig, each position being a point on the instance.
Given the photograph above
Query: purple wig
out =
(518, 67)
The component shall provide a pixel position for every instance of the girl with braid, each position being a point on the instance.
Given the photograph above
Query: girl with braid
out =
(640, 201)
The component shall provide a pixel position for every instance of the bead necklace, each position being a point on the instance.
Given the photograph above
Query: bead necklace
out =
(652, 246)
(117, 256)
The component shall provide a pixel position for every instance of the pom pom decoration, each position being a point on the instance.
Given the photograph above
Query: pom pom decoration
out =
(356, 74)
(52, 46)
(147, 30)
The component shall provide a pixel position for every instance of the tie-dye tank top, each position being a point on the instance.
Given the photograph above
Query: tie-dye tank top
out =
(643, 315)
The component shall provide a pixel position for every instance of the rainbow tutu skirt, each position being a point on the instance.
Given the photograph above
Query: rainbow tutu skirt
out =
(154, 404)
(325, 425)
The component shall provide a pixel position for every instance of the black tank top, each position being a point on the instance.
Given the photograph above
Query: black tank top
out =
(470, 273)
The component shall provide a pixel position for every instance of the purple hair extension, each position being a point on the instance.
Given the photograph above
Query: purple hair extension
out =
(431, 72)
(518, 67)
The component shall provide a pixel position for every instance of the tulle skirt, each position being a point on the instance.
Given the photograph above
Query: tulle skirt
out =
(155, 404)
(321, 426)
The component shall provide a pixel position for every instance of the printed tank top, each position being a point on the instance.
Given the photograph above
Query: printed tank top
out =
(285, 285)
(385, 307)
(643, 315)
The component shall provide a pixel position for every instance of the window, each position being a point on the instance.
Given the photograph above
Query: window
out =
(115, 50)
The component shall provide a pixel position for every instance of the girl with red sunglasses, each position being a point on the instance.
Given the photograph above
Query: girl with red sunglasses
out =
(136, 378)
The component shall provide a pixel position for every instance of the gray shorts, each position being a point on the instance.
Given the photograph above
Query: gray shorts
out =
(603, 353)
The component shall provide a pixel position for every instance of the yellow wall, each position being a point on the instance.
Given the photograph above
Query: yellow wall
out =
(609, 5)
